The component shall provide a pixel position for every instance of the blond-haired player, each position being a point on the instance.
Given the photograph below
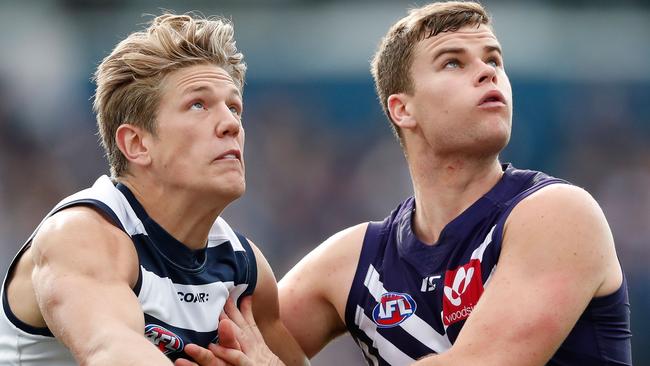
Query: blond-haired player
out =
(135, 268)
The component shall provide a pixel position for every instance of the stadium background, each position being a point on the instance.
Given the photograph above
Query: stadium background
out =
(319, 153)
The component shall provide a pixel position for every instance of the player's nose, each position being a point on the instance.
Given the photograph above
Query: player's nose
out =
(229, 123)
(485, 73)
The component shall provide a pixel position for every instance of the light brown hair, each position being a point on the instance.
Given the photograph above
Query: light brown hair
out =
(129, 80)
(391, 64)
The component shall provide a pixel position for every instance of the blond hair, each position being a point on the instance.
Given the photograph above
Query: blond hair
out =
(391, 64)
(129, 79)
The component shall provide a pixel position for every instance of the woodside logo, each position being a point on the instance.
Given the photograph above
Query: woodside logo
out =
(463, 288)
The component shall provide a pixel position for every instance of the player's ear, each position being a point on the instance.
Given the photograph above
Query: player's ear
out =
(400, 111)
(133, 142)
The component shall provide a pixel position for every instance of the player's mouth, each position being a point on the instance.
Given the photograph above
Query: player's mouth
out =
(232, 154)
(492, 99)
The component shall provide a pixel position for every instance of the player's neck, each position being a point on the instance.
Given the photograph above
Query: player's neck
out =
(188, 219)
(444, 189)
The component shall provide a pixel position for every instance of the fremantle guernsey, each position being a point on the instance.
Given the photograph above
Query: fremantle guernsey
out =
(182, 292)
(409, 299)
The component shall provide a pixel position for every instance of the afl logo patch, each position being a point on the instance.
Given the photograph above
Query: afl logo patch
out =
(393, 309)
(166, 341)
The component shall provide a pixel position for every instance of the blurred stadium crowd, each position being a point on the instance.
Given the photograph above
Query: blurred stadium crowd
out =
(320, 155)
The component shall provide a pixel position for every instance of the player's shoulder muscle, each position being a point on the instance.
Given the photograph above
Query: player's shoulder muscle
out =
(566, 222)
(327, 272)
(84, 239)
(339, 250)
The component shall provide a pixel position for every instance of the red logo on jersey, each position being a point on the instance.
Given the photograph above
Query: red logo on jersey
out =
(166, 341)
(463, 288)
(392, 309)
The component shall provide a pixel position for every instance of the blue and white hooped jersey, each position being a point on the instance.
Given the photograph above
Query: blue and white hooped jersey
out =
(409, 299)
(182, 292)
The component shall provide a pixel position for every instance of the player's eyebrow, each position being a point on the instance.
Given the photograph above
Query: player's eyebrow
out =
(491, 48)
(460, 50)
(446, 50)
(203, 88)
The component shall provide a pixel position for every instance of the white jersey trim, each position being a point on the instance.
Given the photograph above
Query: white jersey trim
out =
(414, 325)
(385, 348)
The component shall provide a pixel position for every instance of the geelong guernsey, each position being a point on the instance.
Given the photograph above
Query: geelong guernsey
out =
(182, 292)
(409, 299)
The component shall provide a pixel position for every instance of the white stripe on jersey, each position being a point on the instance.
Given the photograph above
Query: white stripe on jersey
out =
(478, 252)
(221, 232)
(160, 298)
(414, 325)
(237, 290)
(366, 351)
(104, 191)
(386, 349)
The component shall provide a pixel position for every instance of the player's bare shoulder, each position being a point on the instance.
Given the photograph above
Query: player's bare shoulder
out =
(331, 266)
(561, 205)
(570, 224)
(342, 247)
(84, 238)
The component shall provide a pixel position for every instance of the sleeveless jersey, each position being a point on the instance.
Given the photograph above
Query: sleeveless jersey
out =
(181, 292)
(409, 299)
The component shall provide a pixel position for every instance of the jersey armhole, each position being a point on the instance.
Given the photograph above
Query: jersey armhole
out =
(251, 270)
(372, 241)
(497, 236)
(8, 312)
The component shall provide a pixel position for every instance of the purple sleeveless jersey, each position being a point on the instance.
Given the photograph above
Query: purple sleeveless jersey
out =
(409, 299)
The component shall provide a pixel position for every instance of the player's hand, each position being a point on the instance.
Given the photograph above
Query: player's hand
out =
(240, 341)
(207, 356)
(202, 356)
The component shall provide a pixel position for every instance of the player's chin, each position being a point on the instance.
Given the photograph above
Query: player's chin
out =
(231, 186)
(226, 184)
(493, 147)
(489, 143)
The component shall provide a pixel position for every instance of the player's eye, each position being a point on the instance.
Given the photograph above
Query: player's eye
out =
(197, 105)
(451, 64)
(235, 110)
(493, 62)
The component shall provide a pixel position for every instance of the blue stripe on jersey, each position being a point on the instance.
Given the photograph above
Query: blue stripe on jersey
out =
(251, 264)
(19, 323)
(156, 261)
(103, 208)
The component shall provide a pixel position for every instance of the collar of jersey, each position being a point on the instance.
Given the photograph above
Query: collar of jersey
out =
(174, 250)
(431, 259)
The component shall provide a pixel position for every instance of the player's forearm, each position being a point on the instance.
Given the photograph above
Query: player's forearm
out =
(462, 355)
(291, 353)
(285, 346)
(433, 360)
(124, 348)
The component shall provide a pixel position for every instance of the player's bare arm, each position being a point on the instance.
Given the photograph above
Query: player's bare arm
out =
(313, 295)
(83, 272)
(267, 315)
(558, 254)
